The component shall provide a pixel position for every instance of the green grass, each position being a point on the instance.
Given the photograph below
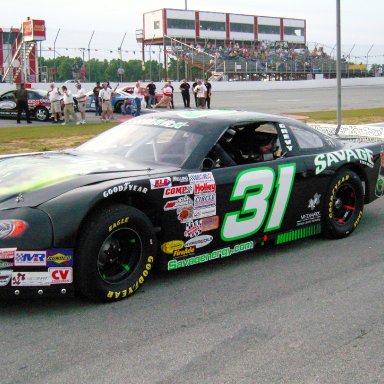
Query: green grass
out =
(351, 116)
(47, 137)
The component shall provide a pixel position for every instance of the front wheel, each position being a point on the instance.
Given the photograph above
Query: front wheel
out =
(344, 205)
(115, 253)
(41, 114)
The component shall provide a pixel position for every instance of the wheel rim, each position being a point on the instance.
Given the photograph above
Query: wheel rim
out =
(41, 114)
(119, 255)
(344, 204)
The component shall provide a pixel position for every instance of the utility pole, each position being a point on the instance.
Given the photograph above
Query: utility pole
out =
(89, 57)
(54, 56)
(186, 5)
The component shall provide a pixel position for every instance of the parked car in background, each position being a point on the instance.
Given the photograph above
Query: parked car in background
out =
(118, 98)
(38, 101)
(129, 89)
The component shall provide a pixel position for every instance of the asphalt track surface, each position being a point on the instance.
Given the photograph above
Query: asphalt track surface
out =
(310, 311)
(274, 101)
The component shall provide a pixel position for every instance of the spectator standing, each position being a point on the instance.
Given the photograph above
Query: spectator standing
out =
(184, 88)
(201, 94)
(171, 86)
(69, 111)
(21, 96)
(105, 97)
(96, 91)
(54, 95)
(138, 97)
(81, 101)
(208, 85)
(167, 97)
(193, 90)
(151, 87)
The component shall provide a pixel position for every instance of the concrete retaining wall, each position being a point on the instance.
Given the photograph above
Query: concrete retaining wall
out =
(225, 86)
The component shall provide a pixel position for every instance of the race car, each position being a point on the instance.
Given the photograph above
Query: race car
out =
(38, 101)
(176, 190)
(129, 89)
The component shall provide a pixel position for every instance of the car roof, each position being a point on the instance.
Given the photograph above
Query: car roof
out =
(206, 121)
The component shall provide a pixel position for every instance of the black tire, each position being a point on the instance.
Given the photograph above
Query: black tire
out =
(41, 114)
(115, 253)
(344, 205)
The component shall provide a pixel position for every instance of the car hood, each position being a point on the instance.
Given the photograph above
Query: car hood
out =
(29, 180)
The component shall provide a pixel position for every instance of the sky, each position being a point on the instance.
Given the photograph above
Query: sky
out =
(361, 22)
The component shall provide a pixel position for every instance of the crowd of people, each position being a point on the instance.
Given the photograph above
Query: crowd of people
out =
(278, 55)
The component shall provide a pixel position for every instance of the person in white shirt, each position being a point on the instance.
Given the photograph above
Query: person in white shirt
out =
(105, 98)
(201, 92)
(138, 94)
(81, 101)
(54, 95)
(69, 111)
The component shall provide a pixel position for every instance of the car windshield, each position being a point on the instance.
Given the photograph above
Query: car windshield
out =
(141, 143)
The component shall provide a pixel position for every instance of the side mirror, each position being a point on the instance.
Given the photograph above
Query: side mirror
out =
(208, 164)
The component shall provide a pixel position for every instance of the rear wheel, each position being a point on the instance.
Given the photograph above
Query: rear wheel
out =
(344, 205)
(115, 253)
(41, 114)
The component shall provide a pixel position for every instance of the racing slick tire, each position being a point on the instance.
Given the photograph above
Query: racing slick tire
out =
(344, 205)
(41, 114)
(115, 253)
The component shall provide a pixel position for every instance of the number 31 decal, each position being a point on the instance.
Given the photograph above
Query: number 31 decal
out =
(255, 187)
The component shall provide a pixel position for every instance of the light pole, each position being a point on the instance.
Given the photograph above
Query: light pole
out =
(89, 57)
(54, 56)
(186, 5)
(338, 65)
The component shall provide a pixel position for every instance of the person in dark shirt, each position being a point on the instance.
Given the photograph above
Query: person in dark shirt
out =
(208, 85)
(21, 96)
(193, 90)
(184, 88)
(151, 87)
(96, 91)
(171, 86)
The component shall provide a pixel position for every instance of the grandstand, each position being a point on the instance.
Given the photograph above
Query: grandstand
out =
(227, 46)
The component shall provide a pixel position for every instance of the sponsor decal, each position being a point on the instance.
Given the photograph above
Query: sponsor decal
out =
(124, 187)
(208, 187)
(180, 180)
(199, 241)
(220, 253)
(7, 253)
(135, 286)
(379, 190)
(355, 224)
(193, 229)
(182, 201)
(308, 218)
(204, 200)
(171, 246)
(5, 264)
(184, 251)
(200, 177)
(5, 278)
(124, 220)
(178, 191)
(60, 258)
(204, 212)
(160, 123)
(286, 137)
(7, 105)
(62, 275)
(298, 234)
(332, 198)
(326, 160)
(30, 258)
(209, 223)
(161, 183)
(314, 202)
(185, 214)
(31, 279)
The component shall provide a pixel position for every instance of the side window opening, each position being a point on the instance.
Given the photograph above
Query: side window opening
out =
(305, 138)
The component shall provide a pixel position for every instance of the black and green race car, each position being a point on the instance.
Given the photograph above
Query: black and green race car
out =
(174, 190)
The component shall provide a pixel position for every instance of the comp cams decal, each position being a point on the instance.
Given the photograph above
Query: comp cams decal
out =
(326, 160)
(178, 191)
(220, 253)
